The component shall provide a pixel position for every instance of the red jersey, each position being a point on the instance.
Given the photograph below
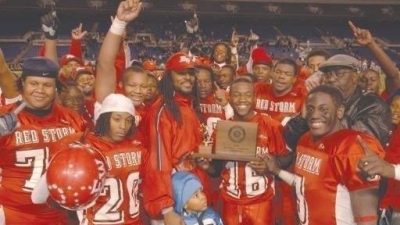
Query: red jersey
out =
(240, 184)
(300, 83)
(211, 112)
(2, 99)
(169, 143)
(88, 113)
(140, 112)
(210, 108)
(25, 154)
(118, 202)
(392, 193)
(326, 172)
(278, 107)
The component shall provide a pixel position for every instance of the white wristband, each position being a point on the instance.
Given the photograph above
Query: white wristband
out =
(12, 100)
(397, 172)
(118, 27)
(287, 177)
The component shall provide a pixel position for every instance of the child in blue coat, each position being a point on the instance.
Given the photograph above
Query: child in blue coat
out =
(191, 202)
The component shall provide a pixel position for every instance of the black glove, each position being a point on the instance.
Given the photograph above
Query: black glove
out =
(8, 123)
(50, 24)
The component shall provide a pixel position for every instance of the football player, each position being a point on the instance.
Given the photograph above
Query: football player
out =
(26, 151)
(118, 202)
(247, 189)
(330, 188)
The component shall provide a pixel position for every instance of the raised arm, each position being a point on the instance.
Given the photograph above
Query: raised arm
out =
(365, 38)
(77, 34)
(50, 27)
(106, 80)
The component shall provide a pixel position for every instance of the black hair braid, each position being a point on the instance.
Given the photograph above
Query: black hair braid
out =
(167, 90)
(102, 124)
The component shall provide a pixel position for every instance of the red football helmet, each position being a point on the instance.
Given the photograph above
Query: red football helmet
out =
(76, 175)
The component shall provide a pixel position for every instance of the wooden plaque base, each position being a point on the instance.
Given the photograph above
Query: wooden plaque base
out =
(206, 152)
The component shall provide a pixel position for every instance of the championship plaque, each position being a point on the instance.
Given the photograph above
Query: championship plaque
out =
(234, 141)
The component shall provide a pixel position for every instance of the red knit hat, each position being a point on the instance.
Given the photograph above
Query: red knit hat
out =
(260, 56)
(179, 62)
(149, 65)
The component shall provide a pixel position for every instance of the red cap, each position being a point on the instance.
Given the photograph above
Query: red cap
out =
(149, 65)
(179, 62)
(260, 56)
(68, 58)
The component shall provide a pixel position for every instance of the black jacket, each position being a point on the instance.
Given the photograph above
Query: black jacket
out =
(364, 111)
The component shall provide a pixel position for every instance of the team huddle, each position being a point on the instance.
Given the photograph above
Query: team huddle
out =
(113, 144)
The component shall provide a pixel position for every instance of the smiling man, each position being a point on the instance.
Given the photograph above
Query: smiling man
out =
(279, 99)
(173, 132)
(247, 189)
(363, 111)
(329, 187)
(225, 76)
(27, 150)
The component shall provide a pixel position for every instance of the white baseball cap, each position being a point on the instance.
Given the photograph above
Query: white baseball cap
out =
(117, 103)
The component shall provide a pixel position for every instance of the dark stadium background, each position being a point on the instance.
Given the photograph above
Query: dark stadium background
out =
(160, 28)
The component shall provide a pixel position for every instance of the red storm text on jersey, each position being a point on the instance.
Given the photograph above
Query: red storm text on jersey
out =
(140, 113)
(278, 107)
(240, 183)
(25, 154)
(326, 172)
(209, 108)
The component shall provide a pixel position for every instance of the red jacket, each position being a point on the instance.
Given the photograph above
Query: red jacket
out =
(169, 143)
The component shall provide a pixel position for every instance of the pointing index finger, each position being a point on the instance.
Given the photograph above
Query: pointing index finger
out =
(216, 85)
(352, 26)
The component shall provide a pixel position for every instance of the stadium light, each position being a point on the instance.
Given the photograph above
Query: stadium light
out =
(316, 10)
(387, 11)
(274, 9)
(355, 11)
(187, 6)
(46, 3)
(231, 8)
(96, 4)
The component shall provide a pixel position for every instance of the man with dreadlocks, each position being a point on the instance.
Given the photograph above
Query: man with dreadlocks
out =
(173, 130)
